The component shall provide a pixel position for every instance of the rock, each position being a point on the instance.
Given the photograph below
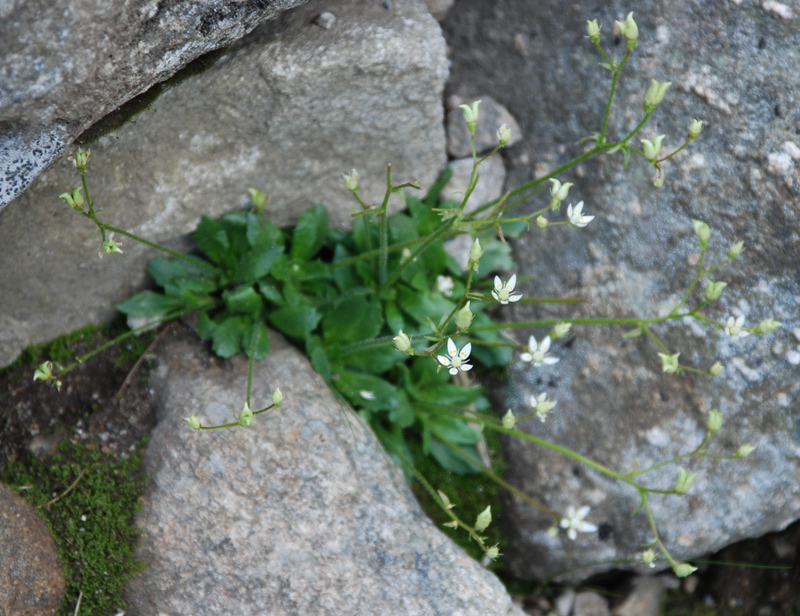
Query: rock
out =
(491, 116)
(490, 185)
(300, 514)
(644, 598)
(731, 68)
(588, 603)
(67, 65)
(287, 109)
(31, 578)
(439, 8)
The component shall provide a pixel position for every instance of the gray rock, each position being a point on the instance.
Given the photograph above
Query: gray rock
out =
(589, 603)
(300, 514)
(645, 597)
(439, 8)
(731, 67)
(31, 578)
(490, 186)
(66, 65)
(287, 109)
(491, 116)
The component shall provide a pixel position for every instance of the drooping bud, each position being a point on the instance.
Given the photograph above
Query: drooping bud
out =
(509, 420)
(484, 519)
(351, 181)
(684, 481)
(669, 363)
(714, 290)
(493, 552)
(558, 192)
(110, 245)
(475, 254)
(735, 250)
(193, 422)
(246, 416)
(471, 115)
(503, 135)
(695, 128)
(652, 148)
(715, 369)
(445, 501)
(744, 451)
(655, 94)
(766, 326)
(277, 397)
(44, 372)
(464, 318)
(560, 330)
(629, 30)
(683, 569)
(258, 199)
(80, 159)
(593, 30)
(542, 223)
(648, 557)
(403, 343)
(702, 231)
(714, 421)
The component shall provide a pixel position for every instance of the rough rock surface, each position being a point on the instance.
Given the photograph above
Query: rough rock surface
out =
(67, 64)
(491, 116)
(31, 576)
(490, 185)
(287, 109)
(732, 66)
(300, 514)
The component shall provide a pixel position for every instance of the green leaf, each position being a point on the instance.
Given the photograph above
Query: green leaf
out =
(374, 393)
(626, 153)
(423, 305)
(205, 327)
(243, 300)
(295, 321)
(402, 229)
(271, 292)
(496, 257)
(311, 270)
(212, 239)
(262, 233)
(354, 318)
(228, 336)
(394, 317)
(344, 277)
(634, 333)
(452, 460)
(148, 305)
(164, 270)
(262, 344)
(514, 229)
(319, 358)
(235, 225)
(606, 65)
(376, 360)
(256, 263)
(309, 234)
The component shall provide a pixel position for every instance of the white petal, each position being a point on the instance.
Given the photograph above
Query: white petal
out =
(545, 345)
(498, 284)
(512, 282)
(564, 523)
(494, 295)
(515, 298)
(526, 357)
(587, 527)
(532, 344)
(569, 211)
(579, 209)
(504, 302)
(451, 348)
(453, 371)
(464, 354)
(583, 511)
(466, 367)
(445, 361)
(572, 533)
(550, 360)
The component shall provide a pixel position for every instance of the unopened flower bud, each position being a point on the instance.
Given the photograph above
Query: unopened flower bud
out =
(735, 250)
(629, 30)
(560, 330)
(80, 159)
(542, 223)
(695, 128)
(277, 397)
(658, 181)
(766, 326)
(593, 30)
(683, 569)
(503, 135)
(475, 253)
(484, 519)
(509, 420)
(702, 231)
(655, 94)
(684, 481)
(715, 369)
(652, 148)
(744, 451)
(464, 318)
(714, 290)
(669, 363)
(714, 421)
(648, 557)
(445, 501)
(109, 245)
(471, 115)
(403, 343)
(258, 199)
(351, 181)
(193, 422)
(558, 190)
(553, 531)
(246, 416)
(493, 552)
(44, 372)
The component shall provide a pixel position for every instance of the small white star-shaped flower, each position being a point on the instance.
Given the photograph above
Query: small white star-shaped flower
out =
(458, 359)
(575, 522)
(734, 328)
(366, 394)
(542, 406)
(576, 216)
(537, 353)
(445, 285)
(504, 291)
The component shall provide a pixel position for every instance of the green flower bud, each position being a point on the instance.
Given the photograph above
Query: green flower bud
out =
(744, 451)
(464, 318)
(648, 557)
(695, 128)
(484, 519)
(715, 369)
(560, 330)
(277, 397)
(652, 148)
(593, 30)
(658, 181)
(714, 421)
(445, 501)
(403, 343)
(684, 481)
(44, 372)
(683, 569)
(629, 30)
(471, 115)
(351, 181)
(475, 254)
(258, 199)
(654, 95)
(246, 416)
(542, 223)
(714, 290)
(669, 363)
(509, 420)
(558, 190)
(702, 231)
(735, 250)
(493, 552)
(766, 326)
(503, 135)
(193, 422)
(109, 245)
(80, 159)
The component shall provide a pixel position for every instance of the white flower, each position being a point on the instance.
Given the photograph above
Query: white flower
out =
(542, 406)
(367, 395)
(445, 285)
(458, 359)
(734, 328)
(574, 522)
(538, 352)
(576, 216)
(504, 291)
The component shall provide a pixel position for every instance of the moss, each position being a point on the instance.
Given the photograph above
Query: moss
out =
(92, 524)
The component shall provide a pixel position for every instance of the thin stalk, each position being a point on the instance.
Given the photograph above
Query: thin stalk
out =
(616, 70)
(384, 254)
